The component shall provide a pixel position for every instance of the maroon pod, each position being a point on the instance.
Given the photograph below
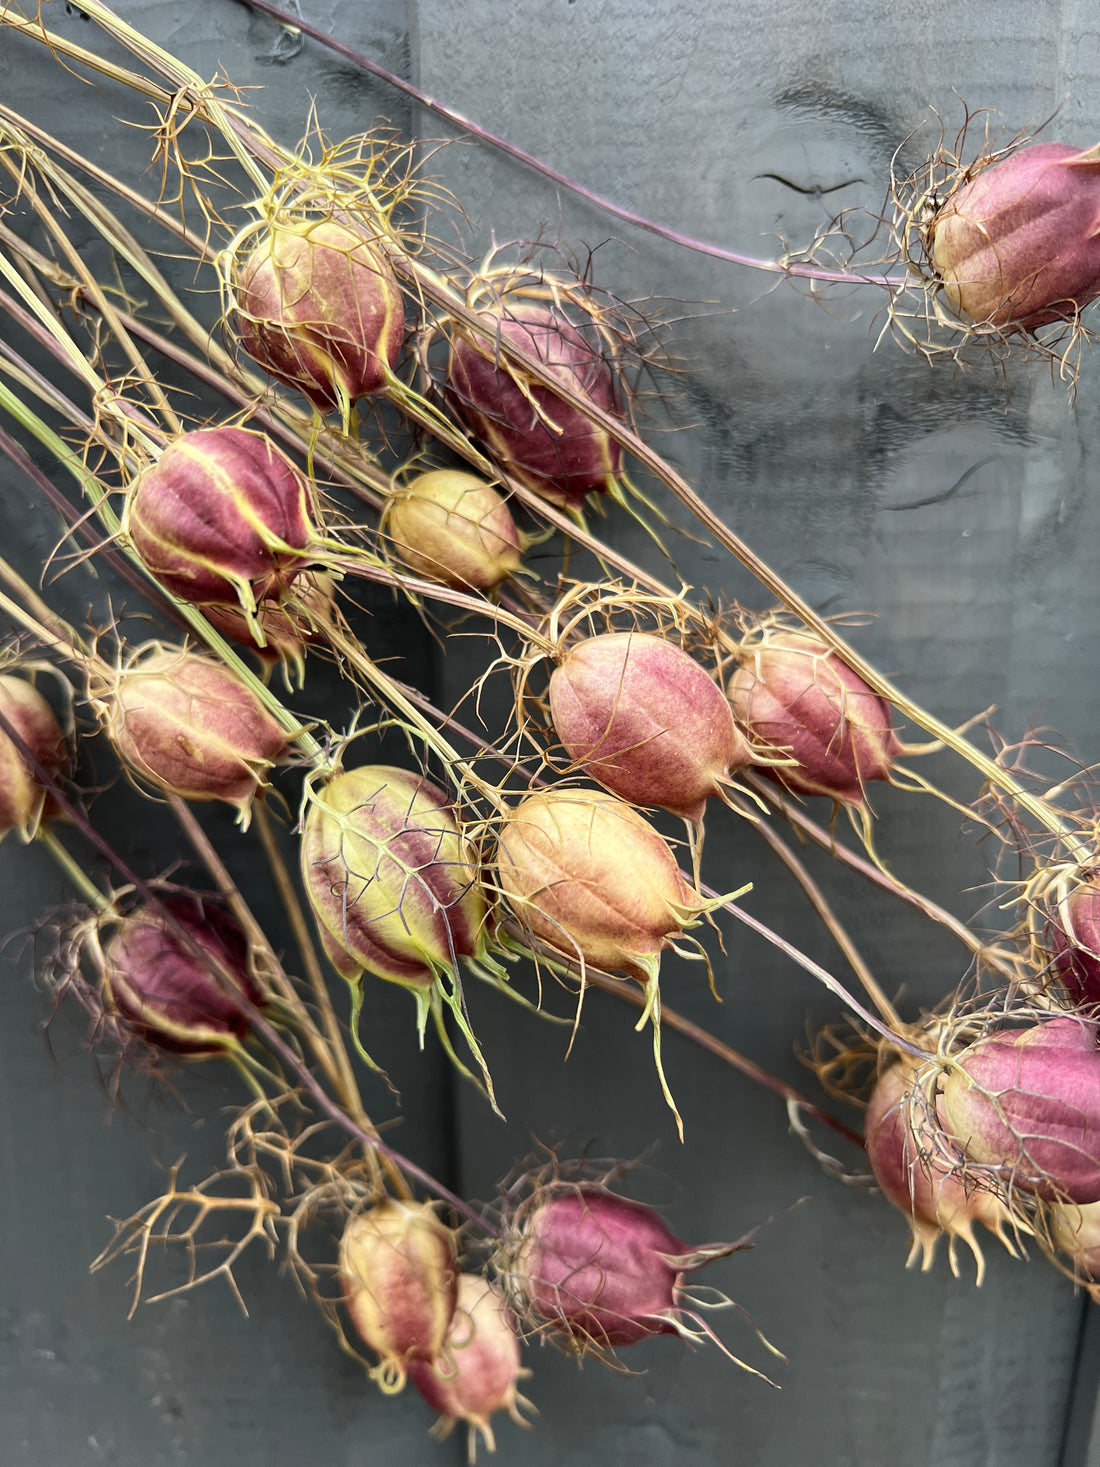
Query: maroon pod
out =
(319, 307)
(797, 698)
(537, 437)
(597, 1270)
(1075, 936)
(1027, 1104)
(645, 720)
(1019, 247)
(177, 974)
(222, 518)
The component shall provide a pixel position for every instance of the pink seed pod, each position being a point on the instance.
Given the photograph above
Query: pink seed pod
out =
(587, 875)
(1019, 247)
(222, 518)
(920, 1182)
(319, 307)
(544, 442)
(1075, 1231)
(646, 721)
(1026, 1103)
(187, 994)
(794, 695)
(24, 803)
(454, 528)
(399, 1276)
(1075, 938)
(478, 1371)
(597, 1271)
(391, 879)
(187, 725)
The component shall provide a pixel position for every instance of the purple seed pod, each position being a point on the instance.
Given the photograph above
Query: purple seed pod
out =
(391, 878)
(598, 1271)
(187, 725)
(1026, 1103)
(936, 1201)
(1075, 938)
(24, 803)
(478, 1370)
(399, 1275)
(177, 992)
(1019, 247)
(796, 697)
(544, 442)
(453, 528)
(646, 721)
(319, 307)
(222, 518)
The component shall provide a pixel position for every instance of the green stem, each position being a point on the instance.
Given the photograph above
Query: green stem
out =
(76, 874)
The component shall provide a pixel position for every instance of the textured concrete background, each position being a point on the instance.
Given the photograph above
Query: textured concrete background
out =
(737, 123)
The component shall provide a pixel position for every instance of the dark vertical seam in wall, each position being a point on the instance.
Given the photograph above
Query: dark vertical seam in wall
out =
(1079, 1447)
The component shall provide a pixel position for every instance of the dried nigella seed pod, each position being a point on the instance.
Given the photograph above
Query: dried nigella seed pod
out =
(646, 721)
(189, 992)
(222, 519)
(1019, 246)
(454, 528)
(478, 1370)
(189, 726)
(1075, 1231)
(596, 1271)
(390, 876)
(588, 876)
(541, 440)
(1025, 1103)
(920, 1181)
(399, 1275)
(319, 307)
(796, 697)
(24, 802)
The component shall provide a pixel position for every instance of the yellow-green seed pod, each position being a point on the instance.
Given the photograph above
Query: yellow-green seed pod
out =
(454, 528)
(390, 876)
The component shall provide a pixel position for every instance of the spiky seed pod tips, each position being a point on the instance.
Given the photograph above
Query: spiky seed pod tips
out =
(646, 721)
(189, 726)
(454, 528)
(319, 307)
(222, 518)
(399, 1275)
(24, 801)
(188, 991)
(478, 1371)
(1019, 246)
(936, 1201)
(543, 441)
